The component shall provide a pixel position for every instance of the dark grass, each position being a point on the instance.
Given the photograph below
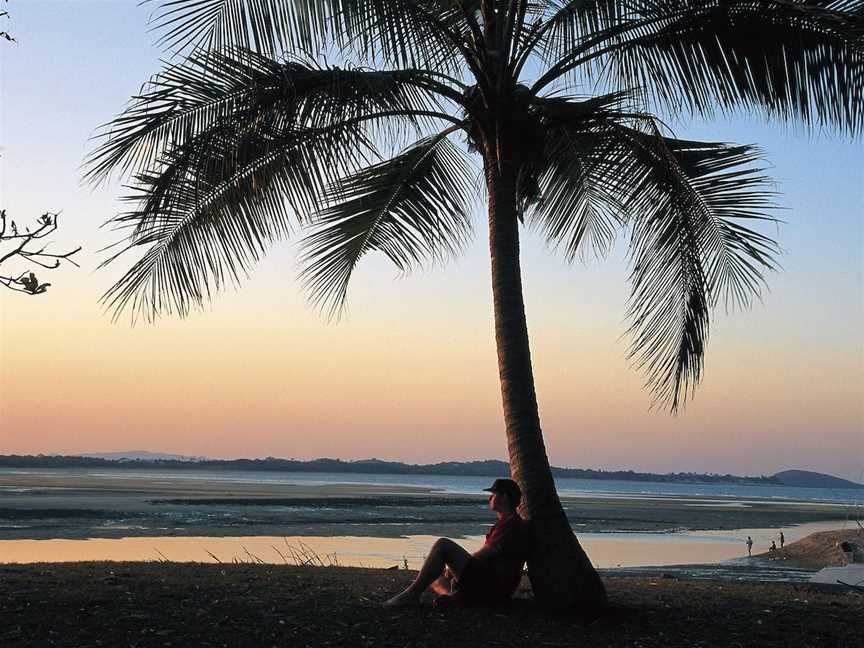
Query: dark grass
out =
(177, 604)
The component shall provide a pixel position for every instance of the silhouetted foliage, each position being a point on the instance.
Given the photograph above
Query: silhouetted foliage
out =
(487, 468)
(27, 245)
(5, 35)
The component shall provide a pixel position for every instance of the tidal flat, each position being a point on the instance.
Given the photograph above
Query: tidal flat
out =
(65, 505)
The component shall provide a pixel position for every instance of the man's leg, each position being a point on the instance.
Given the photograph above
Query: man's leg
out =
(444, 553)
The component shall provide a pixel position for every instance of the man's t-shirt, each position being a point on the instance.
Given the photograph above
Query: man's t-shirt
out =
(496, 572)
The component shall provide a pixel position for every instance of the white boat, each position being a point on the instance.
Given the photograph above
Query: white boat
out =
(849, 575)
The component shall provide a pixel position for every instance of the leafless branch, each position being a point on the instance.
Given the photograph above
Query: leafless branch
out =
(4, 34)
(20, 247)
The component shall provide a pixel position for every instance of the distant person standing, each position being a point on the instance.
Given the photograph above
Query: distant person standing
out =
(782, 539)
(749, 546)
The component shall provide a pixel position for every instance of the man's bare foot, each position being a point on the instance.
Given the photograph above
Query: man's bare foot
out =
(405, 599)
(442, 586)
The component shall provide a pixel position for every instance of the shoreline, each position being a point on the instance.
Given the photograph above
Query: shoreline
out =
(711, 549)
(796, 564)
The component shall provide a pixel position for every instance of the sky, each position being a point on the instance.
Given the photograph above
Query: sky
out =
(410, 374)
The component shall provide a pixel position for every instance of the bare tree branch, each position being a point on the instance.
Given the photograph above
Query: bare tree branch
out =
(4, 34)
(20, 247)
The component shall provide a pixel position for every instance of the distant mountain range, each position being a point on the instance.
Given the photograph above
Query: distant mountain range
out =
(490, 468)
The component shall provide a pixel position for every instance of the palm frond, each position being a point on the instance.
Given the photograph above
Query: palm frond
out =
(425, 33)
(570, 24)
(794, 59)
(576, 212)
(605, 166)
(207, 90)
(214, 205)
(580, 206)
(690, 249)
(228, 150)
(413, 208)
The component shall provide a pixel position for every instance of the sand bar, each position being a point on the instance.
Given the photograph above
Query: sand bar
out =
(70, 505)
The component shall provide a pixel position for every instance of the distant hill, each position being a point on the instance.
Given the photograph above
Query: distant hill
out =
(140, 455)
(808, 479)
(487, 468)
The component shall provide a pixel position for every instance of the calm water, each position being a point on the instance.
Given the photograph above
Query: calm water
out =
(607, 550)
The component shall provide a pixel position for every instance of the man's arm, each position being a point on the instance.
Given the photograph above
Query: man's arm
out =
(487, 552)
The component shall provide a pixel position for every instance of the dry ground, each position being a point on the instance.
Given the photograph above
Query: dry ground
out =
(179, 604)
(817, 550)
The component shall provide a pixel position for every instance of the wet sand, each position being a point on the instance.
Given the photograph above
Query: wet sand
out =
(69, 506)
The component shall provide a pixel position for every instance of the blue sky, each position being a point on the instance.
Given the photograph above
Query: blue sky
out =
(783, 384)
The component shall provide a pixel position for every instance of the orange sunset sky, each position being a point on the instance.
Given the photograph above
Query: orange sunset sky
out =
(411, 373)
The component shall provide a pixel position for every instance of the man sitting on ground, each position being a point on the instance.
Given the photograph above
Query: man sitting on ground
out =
(490, 575)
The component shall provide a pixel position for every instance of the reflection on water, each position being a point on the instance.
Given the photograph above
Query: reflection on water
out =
(605, 549)
(342, 550)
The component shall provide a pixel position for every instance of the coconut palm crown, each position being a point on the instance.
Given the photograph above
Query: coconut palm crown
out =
(254, 136)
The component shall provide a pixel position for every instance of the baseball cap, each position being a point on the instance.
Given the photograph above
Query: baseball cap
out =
(509, 487)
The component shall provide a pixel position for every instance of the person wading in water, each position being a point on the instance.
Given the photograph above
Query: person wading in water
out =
(488, 576)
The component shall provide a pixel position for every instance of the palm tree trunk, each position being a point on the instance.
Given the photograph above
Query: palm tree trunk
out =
(560, 572)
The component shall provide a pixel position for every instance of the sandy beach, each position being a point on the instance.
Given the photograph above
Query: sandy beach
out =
(141, 604)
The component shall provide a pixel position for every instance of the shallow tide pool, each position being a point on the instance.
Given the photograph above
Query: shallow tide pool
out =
(605, 549)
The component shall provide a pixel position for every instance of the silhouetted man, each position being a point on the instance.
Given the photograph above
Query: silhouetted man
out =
(490, 575)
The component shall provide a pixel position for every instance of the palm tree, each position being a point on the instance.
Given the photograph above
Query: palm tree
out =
(248, 137)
